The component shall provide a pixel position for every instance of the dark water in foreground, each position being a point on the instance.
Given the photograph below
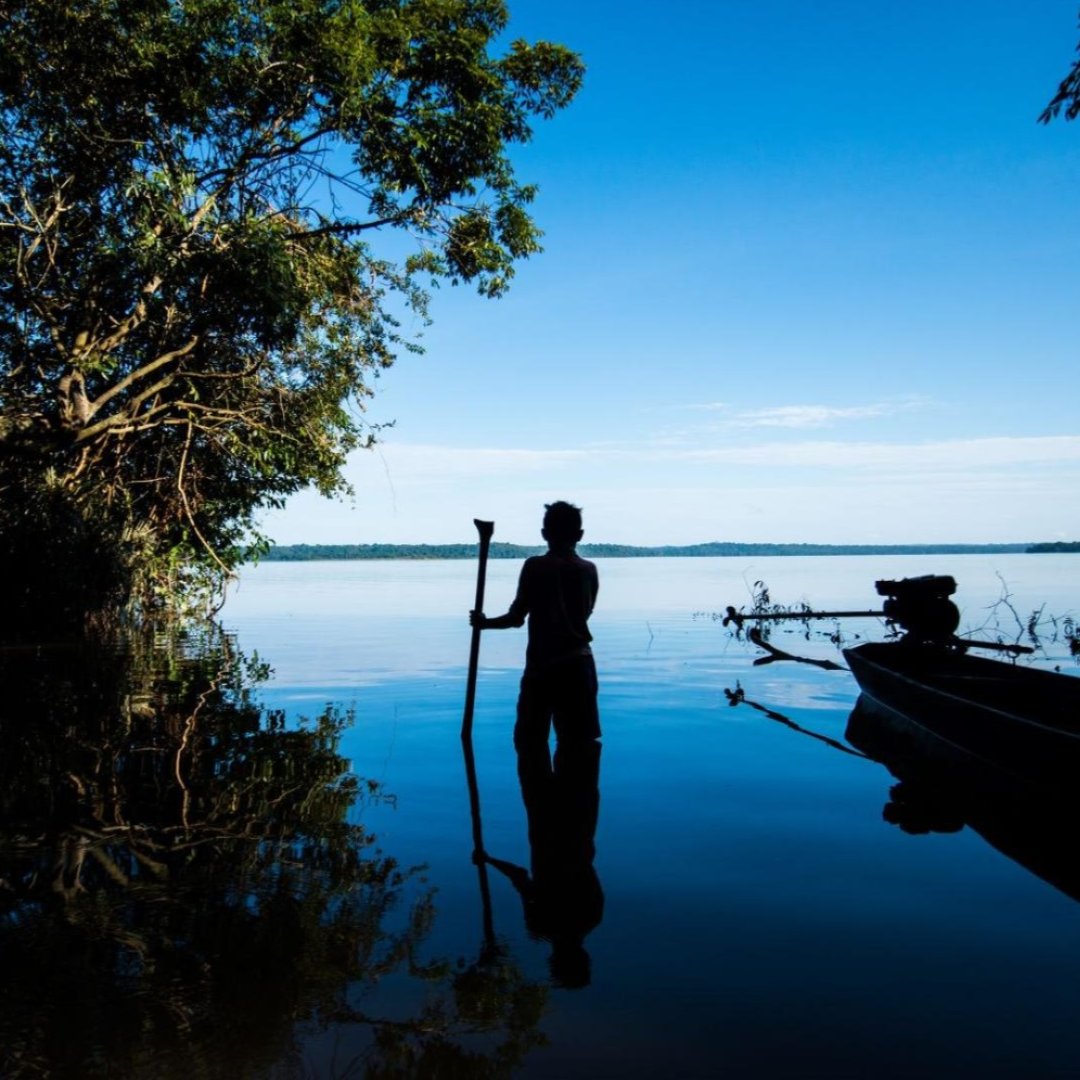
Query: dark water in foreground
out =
(193, 883)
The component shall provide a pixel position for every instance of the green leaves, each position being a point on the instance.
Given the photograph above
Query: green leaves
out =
(188, 194)
(1067, 98)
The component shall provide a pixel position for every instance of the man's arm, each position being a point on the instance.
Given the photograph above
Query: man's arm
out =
(514, 617)
(496, 622)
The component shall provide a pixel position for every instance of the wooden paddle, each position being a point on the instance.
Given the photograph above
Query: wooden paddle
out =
(485, 529)
(489, 948)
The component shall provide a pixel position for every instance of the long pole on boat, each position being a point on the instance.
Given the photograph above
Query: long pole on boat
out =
(738, 618)
(484, 529)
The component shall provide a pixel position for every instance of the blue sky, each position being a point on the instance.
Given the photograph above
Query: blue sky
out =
(809, 275)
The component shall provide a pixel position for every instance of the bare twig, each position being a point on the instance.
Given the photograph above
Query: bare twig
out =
(754, 635)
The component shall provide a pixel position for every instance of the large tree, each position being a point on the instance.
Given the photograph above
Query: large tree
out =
(191, 314)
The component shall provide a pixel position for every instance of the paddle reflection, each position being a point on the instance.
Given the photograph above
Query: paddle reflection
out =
(561, 894)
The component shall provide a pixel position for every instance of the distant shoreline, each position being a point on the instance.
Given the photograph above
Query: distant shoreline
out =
(718, 549)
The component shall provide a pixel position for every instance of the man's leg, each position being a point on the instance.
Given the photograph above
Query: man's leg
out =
(534, 709)
(573, 694)
(577, 758)
(531, 733)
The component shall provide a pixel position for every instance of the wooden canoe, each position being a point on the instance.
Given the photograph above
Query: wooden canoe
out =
(1020, 722)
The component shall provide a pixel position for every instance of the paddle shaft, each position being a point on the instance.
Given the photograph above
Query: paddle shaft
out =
(484, 529)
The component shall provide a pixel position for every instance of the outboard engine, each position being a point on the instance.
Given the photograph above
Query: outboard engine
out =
(921, 606)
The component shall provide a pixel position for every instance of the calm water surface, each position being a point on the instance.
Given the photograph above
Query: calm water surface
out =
(760, 916)
(187, 886)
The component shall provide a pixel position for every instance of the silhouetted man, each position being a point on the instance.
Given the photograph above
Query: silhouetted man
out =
(561, 892)
(557, 593)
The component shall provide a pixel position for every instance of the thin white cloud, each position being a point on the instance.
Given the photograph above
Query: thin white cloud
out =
(949, 454)
(807, 416)
(992, 488)
(445, 462)
(440, 462)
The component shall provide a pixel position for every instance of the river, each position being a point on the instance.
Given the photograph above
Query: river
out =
(252, 853)
(760, 916)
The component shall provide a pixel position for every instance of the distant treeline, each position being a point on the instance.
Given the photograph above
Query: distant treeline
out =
(1057, 547)
(311, 552)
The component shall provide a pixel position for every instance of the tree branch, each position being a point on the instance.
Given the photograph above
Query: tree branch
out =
(141, 373)
(187, 505)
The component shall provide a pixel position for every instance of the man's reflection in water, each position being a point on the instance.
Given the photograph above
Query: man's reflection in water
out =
(562, 897)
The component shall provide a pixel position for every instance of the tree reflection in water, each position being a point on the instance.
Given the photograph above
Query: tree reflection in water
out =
(182, 891)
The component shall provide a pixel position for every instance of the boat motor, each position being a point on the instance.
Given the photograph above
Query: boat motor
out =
(921, 606)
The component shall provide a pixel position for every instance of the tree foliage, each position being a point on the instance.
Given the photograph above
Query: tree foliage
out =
(191, 314)
(1067, 98)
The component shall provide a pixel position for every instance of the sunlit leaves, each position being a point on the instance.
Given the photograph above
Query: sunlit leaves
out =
(187, 197)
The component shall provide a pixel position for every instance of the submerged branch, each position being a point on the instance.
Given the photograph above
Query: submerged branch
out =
(754, 635)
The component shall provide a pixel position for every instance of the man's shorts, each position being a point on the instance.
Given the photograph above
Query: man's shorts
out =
(563, 693)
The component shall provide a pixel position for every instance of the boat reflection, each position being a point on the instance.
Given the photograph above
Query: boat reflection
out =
(941, 789)
(185, 890)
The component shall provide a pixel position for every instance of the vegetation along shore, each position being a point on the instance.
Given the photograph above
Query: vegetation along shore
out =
(313, 552)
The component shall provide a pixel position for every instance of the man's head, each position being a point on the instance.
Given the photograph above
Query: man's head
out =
(562, 524)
